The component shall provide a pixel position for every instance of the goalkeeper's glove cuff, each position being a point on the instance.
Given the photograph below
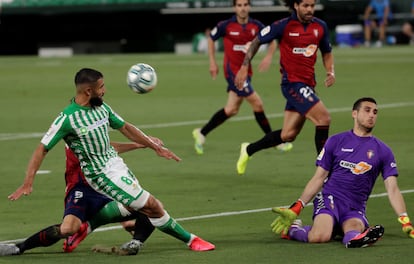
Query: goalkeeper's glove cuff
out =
(297, 206)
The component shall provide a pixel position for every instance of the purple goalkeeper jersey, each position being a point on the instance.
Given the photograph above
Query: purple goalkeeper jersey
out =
(354, 164)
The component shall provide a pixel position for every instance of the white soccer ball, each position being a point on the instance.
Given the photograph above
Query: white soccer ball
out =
(141, 78)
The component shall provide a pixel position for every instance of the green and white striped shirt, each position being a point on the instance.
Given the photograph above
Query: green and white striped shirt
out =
(86, 131)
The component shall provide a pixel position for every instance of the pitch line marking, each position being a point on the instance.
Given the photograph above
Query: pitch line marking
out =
(222, 214)
(16, 136)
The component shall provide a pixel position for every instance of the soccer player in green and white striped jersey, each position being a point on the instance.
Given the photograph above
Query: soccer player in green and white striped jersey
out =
(84, 125)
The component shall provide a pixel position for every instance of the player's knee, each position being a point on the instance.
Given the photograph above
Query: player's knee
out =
(323, 120)
(153, 208)
(231, 111)
(288, 136)
(326, 119)
(68, 230)
(319, 237)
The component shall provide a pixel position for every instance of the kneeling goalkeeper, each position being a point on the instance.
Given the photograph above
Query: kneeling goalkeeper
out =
(347, 168)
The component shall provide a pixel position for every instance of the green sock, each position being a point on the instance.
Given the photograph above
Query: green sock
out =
(110, 213)
(175, 229)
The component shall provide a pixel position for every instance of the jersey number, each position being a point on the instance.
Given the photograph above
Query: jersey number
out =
(306, 91)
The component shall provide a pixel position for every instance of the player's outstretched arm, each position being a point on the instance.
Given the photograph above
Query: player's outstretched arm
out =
(122, 147)
(398, 204)
(34, 164)
(287, 215)
(136, 135)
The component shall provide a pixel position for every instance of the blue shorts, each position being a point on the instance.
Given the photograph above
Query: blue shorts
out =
(84, 202)
(246, 91)
(300, 97)
(340, 212)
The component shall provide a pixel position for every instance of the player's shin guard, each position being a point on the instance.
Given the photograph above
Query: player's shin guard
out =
(263, 122)
(321, 135)
(269, 140)
(168, 225)
(44, 238)
(143, 227)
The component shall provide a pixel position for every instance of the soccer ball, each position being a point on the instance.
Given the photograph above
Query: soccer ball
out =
(141, 78)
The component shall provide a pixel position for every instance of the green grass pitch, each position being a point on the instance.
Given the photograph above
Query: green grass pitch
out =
(204, 192)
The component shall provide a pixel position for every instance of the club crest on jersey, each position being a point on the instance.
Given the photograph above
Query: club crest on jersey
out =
(316, 32)
(370, 154)
(83, 130)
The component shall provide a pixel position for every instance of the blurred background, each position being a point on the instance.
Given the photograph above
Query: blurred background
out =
(130, 26)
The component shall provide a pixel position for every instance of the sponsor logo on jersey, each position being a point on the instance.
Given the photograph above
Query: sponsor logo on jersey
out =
(234, 33)
(213, 31)
(242, 48)
(347, 149)
(307, 51)
(265, 31)
(293, 34)
(356, 168)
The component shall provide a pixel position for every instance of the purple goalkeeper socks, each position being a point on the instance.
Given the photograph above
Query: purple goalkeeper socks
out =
(349, 235)
(299, 233)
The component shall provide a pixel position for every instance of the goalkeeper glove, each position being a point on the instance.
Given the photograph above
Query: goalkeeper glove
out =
(286, 217)
(407, 227)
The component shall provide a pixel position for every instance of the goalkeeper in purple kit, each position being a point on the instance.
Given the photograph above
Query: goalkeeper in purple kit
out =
(347, 169)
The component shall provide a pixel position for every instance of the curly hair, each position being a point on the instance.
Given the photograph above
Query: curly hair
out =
(291, 3)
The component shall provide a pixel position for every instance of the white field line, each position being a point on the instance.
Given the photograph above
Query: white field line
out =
(16, 136)
(222, 214)
(11, 136)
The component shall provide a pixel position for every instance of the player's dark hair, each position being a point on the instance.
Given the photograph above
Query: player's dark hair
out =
(358, 102)
(87, 75)
(235, 2)
(291, 3)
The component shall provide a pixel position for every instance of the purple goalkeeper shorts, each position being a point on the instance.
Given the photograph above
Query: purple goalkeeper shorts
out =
(340, 211)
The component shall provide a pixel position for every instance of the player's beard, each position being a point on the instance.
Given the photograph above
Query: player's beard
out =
(305, 17)
(96, 101)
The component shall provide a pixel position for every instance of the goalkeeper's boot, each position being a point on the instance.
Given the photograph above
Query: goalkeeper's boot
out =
(198, 244)
(74, 240)
(366, 238)
(9, 249)
(285, 147)
(132, 247)
(243, 159)
(199, 140)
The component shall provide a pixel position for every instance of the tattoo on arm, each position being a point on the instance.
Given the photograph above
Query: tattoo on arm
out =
(254, 46)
